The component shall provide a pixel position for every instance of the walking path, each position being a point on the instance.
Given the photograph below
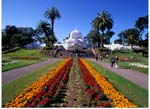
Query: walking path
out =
(134, 76)
(10, 75)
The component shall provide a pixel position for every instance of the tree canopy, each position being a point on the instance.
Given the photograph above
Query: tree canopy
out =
(103, 23)
(52, 14)
(12, 36)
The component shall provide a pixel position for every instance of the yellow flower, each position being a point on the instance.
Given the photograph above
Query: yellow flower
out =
(119, 99)
(32, 90)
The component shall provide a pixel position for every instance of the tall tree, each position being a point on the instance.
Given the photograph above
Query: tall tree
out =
(17, 39)
(93, 37)
(26, 31)
(44, 27)
(131, 36)
(10, 31)
(141, 24)
(107, 36)
(103, 22)
(118, 41)
(122, 37)
(52, 14)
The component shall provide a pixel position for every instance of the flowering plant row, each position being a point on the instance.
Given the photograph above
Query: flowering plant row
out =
(50, 91)
(118, 99)
(92, 88)
(138, 65)
(34, 90)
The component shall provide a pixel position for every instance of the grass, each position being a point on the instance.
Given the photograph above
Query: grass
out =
(18, 85)
(18, 64)
(134, 93)
(140, 59)
(24, 53)
(137, 56)
(21, 62)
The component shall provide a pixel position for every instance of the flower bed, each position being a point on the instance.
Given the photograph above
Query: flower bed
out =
(138, 65)
(127, 59)
(119, 100)
(11, 62)
(97, 97)
(35, 90)
(49, 89)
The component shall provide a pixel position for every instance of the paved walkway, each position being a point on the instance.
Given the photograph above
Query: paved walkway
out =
(136, 77)
(19, 72)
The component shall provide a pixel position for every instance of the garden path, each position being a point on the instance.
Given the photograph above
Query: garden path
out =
(10, 75)
(136, 77)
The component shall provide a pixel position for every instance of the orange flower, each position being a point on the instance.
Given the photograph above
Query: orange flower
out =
(30, 91)
(119, 99)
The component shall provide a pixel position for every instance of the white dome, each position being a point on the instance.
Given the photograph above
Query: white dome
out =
(75, 34)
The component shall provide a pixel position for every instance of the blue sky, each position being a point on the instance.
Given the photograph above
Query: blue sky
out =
(74, 14)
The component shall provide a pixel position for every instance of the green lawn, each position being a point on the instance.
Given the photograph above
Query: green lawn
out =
(14, 88)
(19, 63)
(140, 59)
(133, 92)
(8, 57)
(24, 53)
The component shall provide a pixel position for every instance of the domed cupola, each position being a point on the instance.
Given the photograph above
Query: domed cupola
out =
(75, 34)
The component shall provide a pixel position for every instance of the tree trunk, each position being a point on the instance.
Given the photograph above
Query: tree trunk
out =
(48, 40)
(131, 47)
(52, 22)
(99, 44)
(102, 43)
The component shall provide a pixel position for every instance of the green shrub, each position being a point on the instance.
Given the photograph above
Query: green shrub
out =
(103, 49)
(11, 50)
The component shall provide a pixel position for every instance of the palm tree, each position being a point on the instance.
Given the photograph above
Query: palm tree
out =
(103, 22)
(52, 14)
(44, 27)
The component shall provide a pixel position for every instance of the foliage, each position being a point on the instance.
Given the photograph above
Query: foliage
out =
(133, 92)
(131, 36)
(102, 22)
(27, 96)
(44, 28)
(19, 63)
(107, 36)
(93, 37)
(118, 99)
(132, 57)
(118, 41)
(24, 53)
(12, 36)
(93, 89)
(18, 85)
(103, 49)
(5, 50)
(23, 57)
(141, 24)
(52, 14)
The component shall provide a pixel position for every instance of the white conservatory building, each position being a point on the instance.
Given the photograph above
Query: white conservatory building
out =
(74, 39)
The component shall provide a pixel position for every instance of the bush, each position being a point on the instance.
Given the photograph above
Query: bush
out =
(11, 50)
(142, 51)
(103, 49)
(47, 48)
